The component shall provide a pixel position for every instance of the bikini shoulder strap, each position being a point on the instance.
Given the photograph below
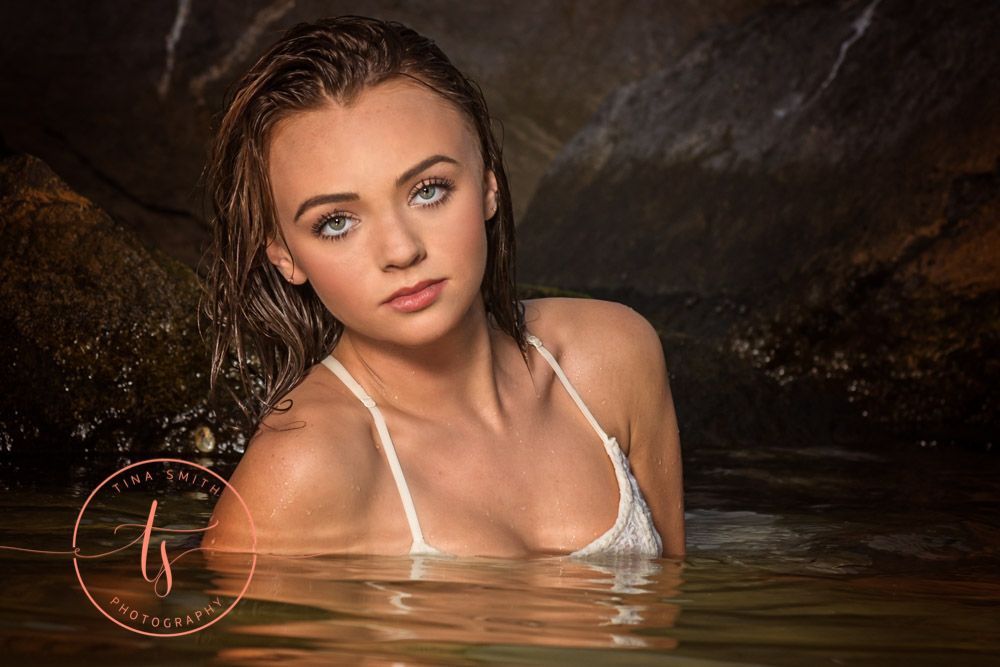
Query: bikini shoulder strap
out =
(390, 451)
(534, 341)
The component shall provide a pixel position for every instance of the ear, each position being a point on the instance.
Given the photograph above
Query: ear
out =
(491, 197)
(278, 254)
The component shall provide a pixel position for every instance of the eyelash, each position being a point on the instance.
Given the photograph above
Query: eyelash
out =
(445, 184)
(317, 228)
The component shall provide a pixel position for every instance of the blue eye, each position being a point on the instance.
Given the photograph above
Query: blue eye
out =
(427, 193)
(334, 225)
(431, 192)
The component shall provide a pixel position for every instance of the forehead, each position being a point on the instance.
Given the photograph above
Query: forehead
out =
(389, 127)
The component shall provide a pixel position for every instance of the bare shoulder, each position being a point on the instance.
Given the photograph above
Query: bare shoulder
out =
(610, 353)
(305, 467)
(614, 358)
(593, 332)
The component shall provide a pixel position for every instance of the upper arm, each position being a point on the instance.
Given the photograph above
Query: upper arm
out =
(615, 359)
(299, 491)
(654, 441)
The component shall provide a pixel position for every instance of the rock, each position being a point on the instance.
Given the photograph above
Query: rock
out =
(813, 191)
(121, 104)
(101, 344)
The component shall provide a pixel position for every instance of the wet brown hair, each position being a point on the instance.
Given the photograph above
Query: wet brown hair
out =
(274, 331)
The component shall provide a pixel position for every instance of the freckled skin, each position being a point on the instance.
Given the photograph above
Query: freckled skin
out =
(396, 241)
(498, 459)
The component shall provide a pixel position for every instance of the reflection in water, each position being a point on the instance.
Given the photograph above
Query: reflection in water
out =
(864, 556)
(356, 603)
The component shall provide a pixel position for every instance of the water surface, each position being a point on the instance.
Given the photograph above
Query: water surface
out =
(826, 555)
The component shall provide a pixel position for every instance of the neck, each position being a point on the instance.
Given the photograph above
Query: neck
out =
(457, 373)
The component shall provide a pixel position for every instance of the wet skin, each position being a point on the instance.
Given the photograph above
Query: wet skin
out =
(382, 205)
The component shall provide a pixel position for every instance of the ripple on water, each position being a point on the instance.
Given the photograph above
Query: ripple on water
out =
(833, 556)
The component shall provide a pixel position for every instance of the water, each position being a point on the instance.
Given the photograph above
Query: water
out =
(834, 555)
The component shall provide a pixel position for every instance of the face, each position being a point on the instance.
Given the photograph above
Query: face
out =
(382, 205)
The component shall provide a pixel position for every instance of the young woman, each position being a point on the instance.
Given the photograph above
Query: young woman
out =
(408, 402)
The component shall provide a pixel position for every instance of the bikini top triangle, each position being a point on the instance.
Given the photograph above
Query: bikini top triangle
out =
(633, 531)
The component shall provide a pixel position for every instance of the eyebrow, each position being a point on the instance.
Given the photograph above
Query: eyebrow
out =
(320, 200)
(339, 197)
(420, 166)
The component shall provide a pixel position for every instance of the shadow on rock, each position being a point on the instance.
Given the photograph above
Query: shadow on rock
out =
(813, 192)
(101, 340)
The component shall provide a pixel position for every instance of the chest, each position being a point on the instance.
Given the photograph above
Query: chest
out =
(543, 483)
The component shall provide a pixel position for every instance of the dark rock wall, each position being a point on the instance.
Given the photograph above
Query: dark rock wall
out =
(119, 97)
(101, 347)
(816, 190)
(803, 196)
(100, 334)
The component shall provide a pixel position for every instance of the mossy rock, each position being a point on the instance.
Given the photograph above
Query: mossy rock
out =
(101, 340)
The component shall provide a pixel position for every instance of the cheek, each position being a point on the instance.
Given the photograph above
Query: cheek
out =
(473, 247)
(336, 282)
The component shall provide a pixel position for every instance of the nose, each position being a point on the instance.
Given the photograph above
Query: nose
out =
(400, 244)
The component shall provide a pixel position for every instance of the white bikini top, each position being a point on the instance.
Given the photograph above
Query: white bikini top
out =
(633, 532)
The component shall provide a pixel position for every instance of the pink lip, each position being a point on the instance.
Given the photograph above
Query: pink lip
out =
(415, 297)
